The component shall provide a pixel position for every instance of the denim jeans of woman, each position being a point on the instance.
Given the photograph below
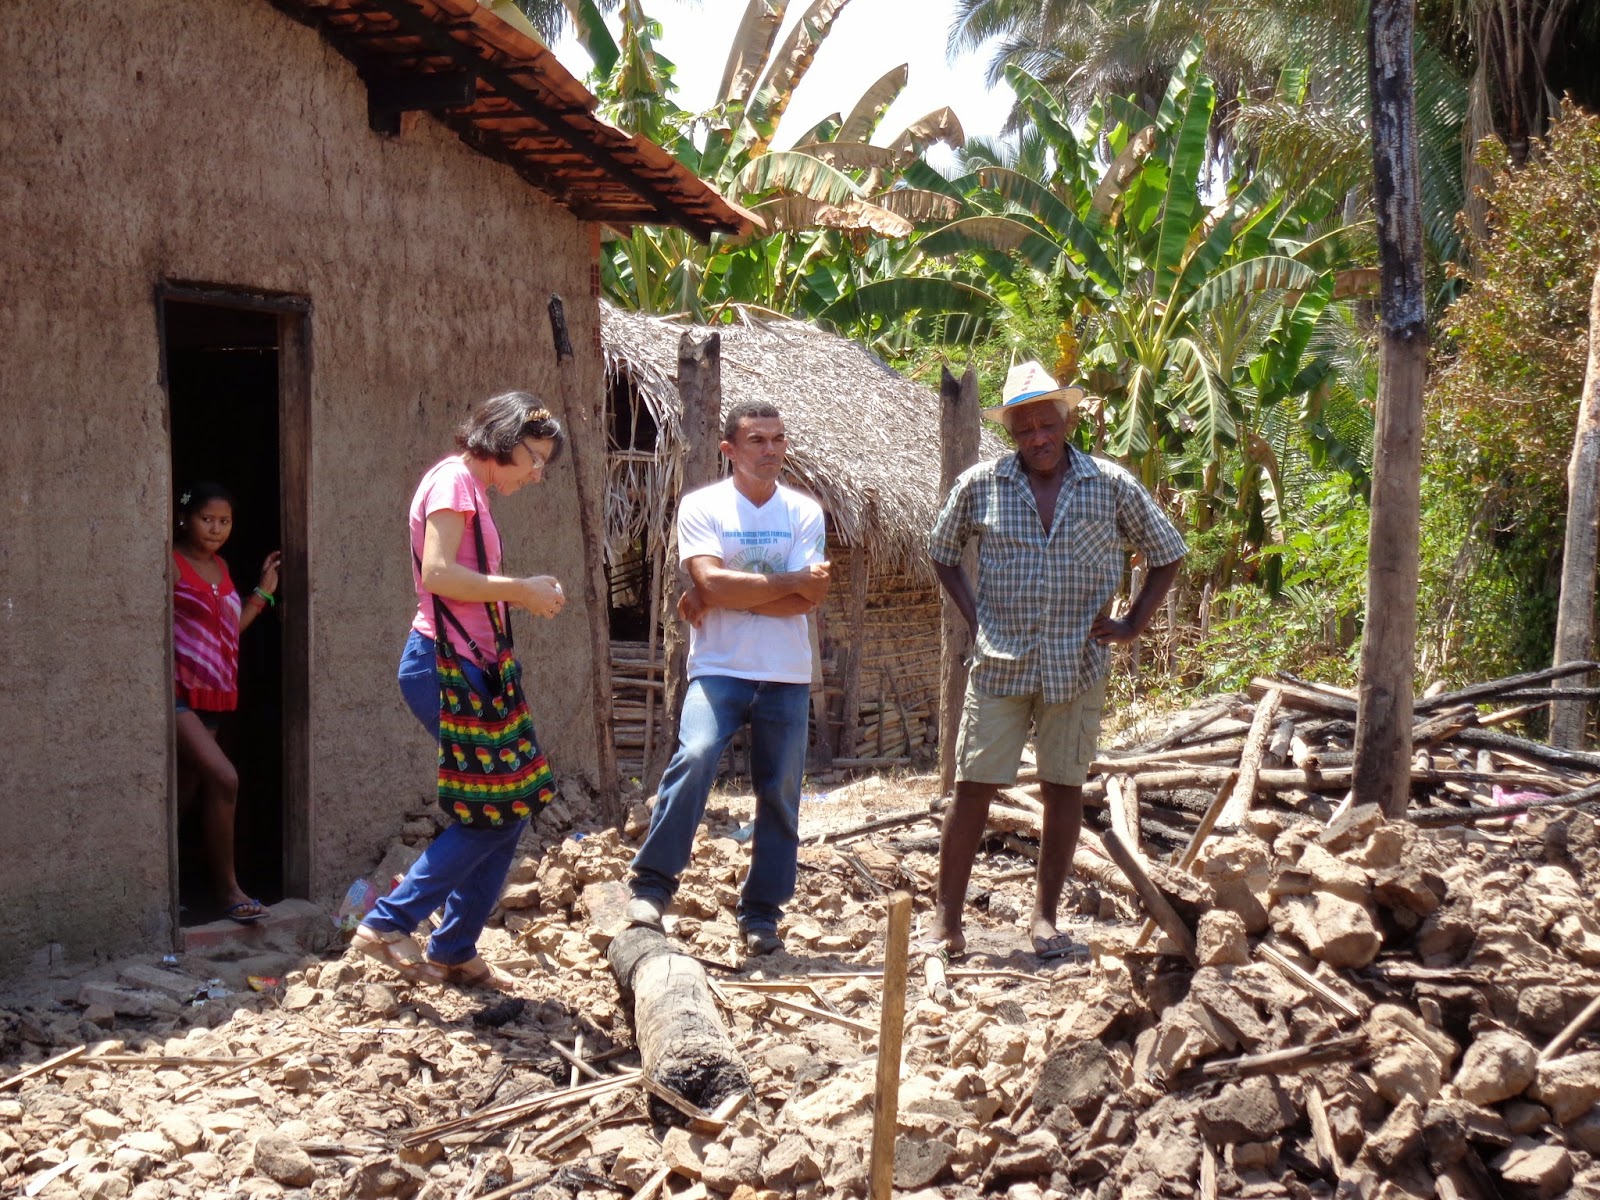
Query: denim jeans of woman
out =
(463, 868)
(714, 707)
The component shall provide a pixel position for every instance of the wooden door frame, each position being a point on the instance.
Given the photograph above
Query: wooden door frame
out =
(293, 314)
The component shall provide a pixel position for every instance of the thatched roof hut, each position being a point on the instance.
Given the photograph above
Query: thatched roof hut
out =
(863, 439)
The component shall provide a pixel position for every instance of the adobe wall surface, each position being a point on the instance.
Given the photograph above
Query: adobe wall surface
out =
(222, 142)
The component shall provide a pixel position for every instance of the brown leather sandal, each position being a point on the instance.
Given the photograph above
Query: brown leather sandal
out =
(398, 952)
(475, 972)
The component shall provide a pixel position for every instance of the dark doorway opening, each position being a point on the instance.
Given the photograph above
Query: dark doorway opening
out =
(222, 368)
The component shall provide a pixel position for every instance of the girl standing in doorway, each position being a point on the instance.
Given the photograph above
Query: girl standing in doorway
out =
(458, 664)
(207, 619)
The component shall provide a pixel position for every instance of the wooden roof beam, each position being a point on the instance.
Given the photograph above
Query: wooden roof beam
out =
(432, 35)
(391, 93)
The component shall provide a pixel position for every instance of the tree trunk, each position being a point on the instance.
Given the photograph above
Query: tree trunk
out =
(1575, 616)
(959, 431)
(1388, 644)
(682, 1042)
(700, 394)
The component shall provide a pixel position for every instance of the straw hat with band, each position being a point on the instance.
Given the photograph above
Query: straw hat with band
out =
(1028, 383)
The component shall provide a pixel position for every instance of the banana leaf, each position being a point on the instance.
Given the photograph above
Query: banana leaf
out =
(1254, 275)
(793, 171)
(1007, 234)
(892, 299)
(863, 120)
(789, 67)
(1060, 220)
(752, 43)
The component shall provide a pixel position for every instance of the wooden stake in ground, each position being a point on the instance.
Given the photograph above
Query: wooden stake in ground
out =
(1388, 641)
(1575, 614)
(886, 1110)
(959, 433)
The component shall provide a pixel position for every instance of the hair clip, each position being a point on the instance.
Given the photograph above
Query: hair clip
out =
(537, 414)
(184, 499)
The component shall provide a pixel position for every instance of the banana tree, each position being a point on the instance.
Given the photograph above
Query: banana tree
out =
(1200, 311)
(833, 208)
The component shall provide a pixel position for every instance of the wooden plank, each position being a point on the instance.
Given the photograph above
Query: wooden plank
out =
(1154, 902)
(886, 1095)
(1255, 747)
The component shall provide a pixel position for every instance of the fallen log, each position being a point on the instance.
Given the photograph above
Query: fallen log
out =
(1491, 740)
(1479, 692)
(682, 1042)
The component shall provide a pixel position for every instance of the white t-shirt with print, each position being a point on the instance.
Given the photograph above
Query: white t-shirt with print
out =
(784, 534)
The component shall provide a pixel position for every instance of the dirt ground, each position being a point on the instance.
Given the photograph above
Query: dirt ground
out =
(1105, 1073)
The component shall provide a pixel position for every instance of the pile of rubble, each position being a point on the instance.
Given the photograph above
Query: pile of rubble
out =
(1345, 1006)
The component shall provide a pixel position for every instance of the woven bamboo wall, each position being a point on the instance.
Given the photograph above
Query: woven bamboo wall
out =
(897, 647)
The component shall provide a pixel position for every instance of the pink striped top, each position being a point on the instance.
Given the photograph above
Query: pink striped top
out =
(205, 639)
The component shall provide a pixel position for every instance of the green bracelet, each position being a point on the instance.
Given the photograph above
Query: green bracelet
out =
(267, 596)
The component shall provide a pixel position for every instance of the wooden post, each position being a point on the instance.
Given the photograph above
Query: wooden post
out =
(958, 450)
(1388, 644)
(700, 394)
(856, 625)
(892, 1023)
(1575, 614)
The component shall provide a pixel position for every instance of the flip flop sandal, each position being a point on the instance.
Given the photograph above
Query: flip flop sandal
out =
(938, 948)
(247, 912)
(1058, 945)
(398, 952)
(475, 972)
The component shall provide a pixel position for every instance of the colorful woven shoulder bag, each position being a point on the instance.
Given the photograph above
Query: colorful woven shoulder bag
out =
(490, 767)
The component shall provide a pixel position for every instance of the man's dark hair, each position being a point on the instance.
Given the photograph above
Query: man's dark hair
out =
(744, 412)
(500, 422)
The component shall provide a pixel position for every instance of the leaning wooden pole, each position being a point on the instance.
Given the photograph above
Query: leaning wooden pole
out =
(1388, 643)
(958, 450)
(1575, 615)
(700, 433)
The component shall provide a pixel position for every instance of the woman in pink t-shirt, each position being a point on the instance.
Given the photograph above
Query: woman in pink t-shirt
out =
(508, 442)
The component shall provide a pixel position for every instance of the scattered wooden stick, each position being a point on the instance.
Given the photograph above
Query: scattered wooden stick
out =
(1322, 1131)
(1280, 1062)
(506, 1114)
(48, 1064)
(1208, 822)
(574, 1056)
(880, 825)
(652, 1186)
(1434, 817)
(1558, 1045)
(1307, 980)
(184, 1093)
(886, 1110)
(1154, 902)
(811, 1010)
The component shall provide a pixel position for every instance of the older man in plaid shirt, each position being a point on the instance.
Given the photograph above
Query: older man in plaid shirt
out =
(1052, 525)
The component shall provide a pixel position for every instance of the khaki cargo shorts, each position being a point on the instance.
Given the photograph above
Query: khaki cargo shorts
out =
(994, 730)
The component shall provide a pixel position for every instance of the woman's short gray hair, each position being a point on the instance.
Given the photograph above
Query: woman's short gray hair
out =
(500, 422)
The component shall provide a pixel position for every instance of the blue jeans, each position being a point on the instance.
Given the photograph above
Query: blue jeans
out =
(714, 707)
(463, 868)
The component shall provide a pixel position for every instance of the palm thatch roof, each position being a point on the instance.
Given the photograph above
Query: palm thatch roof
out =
(863, 439)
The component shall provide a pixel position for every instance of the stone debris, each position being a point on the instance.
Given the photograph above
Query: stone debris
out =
(1364, 1016)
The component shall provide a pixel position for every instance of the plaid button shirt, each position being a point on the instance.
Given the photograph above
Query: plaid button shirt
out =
(1038, 594)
